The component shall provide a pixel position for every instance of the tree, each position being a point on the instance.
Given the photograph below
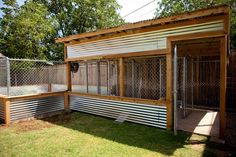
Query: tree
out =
(78, 16)
(29, 31)
(24, 30)
(171, 7)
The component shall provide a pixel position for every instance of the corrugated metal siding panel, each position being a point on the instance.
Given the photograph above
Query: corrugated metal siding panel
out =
(139, 42)
(1, 110)
(138, 113)
(27, 108)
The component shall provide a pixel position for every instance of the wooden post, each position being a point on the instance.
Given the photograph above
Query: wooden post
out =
(169, 124)
(49, 87)
(223, 79)
(66, 102)
(121, 64)
(7, 116)
(68, 76)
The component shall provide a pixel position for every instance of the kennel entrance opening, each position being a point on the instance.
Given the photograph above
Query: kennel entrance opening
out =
(198, 75)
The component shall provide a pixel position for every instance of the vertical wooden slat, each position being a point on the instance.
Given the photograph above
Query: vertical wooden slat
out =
(169, 123)
(49, 87)
(65, 52)
(223, 74)
(7, 115)
(121, 64)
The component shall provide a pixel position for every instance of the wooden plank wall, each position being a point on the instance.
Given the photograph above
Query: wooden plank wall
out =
(231, 83)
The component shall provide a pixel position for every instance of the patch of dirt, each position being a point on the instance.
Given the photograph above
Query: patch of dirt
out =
(31, 125)
(48, 122)
(59, 119)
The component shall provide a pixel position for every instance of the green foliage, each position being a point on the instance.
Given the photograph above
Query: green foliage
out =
(172, 7)
(24, 30)
(29, 31)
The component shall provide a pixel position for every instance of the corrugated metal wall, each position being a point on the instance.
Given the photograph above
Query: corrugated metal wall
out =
(35, 107)
(1, 110)
(151, 115)
(138, 42)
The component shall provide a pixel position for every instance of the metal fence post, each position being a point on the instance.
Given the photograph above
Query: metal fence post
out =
(8, 76)
(175, 89)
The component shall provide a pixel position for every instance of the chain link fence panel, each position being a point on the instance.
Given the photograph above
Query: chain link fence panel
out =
(145, 77)
(33, 76)
(199, 82)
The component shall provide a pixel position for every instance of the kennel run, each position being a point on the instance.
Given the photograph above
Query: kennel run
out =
(140, 72)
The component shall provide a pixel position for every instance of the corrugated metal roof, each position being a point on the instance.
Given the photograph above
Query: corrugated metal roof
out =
(150, 22)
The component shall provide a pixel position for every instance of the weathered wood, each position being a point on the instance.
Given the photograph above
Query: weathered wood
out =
(223, 79)
(121, 75)
(184, 16)
(160, 102)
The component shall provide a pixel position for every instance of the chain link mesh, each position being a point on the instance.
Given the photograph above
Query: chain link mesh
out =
(201, 84)
(145, 78)
(33, 76)
(3, 76)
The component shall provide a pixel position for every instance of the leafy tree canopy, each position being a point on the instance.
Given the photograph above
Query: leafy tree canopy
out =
(29, 31)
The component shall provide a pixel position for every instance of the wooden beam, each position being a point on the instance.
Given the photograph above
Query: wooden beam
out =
(66, 101)
(169, 86)
(41, 95)
(65, 52)
(184, 16)
(49, 87)
(169, 26)
(160, 102)
(68, 76)
(223, 79)
(7, 113)
(121, 76)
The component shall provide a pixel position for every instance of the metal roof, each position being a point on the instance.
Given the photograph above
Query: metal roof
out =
(222, 9)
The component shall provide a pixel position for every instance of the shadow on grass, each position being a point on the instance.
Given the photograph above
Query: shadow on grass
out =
(154, 139)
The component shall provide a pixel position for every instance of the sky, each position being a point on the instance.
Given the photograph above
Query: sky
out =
(143, 14)
(127, 7)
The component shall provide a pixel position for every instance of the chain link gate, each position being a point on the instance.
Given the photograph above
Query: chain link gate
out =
(198, 83)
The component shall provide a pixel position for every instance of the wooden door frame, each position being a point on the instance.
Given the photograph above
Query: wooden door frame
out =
(223, 37)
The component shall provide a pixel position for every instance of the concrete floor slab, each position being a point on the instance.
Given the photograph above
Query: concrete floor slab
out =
(200, 122)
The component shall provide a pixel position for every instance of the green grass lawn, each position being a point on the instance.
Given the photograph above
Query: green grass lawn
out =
(80, 134)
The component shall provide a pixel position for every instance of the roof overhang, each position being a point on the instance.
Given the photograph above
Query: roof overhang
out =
(218, 10)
